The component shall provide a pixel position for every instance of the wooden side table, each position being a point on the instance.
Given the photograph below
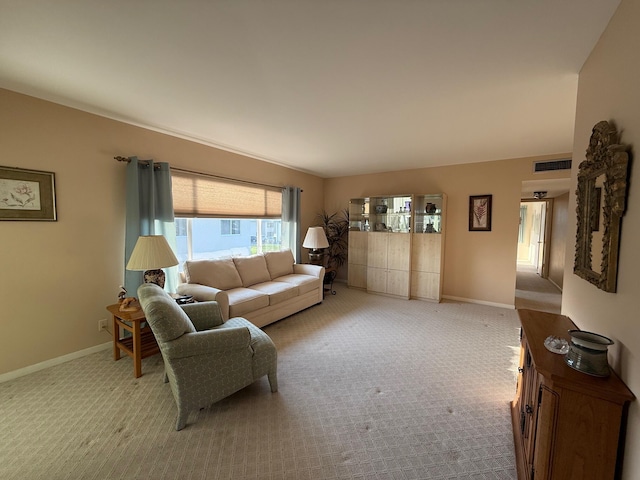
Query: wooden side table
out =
(140, 344)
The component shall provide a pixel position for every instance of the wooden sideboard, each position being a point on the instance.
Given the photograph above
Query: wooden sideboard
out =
(566, 424)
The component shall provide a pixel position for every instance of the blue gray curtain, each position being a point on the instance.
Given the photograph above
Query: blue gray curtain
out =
(149, 211)
(291, 220)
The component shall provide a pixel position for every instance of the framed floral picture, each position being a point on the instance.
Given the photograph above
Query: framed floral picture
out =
(480, 213)
(27, 194)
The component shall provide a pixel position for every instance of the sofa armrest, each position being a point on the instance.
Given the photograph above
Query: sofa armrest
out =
(202, 293)
(204, 315)
(220, 341)
(308, 269)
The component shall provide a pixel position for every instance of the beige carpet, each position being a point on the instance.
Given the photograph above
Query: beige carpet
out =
(536, 293)
(370, 388)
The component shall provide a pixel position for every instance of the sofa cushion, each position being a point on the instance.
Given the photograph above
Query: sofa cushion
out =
(252, 269)
(219, 273)
(305, 283)
(166, 318)
(244, 300)
(277, 291)
(279, 263)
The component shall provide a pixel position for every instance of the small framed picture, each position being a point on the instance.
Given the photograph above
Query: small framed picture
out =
(480, 213)
(27, 195)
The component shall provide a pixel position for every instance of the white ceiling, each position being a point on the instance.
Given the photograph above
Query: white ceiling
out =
(331, 87)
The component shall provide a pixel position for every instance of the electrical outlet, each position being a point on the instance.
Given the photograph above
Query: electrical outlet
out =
(102, 324)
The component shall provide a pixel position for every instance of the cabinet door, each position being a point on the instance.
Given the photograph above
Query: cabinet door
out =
(426, 255)
(357, 275)
(377, 250)
(358, 248)
(398, 283)
(426, 258)
(357, 266)
(399, 252)
(546, 419)
(376, 280)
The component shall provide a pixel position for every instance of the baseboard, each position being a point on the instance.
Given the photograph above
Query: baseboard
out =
(555, 284)
(21, 372)
(480, 302)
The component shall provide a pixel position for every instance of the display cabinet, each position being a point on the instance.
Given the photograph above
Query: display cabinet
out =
(359, 226)
(359, 215)
(427, 249)
(388, 263)
(428, 213)
(396, 245)
(390, 213)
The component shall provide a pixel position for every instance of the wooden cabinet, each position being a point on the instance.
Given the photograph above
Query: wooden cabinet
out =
(427, 249)
(566, 424)
(396, 245)
(388, 262)
(357, 260)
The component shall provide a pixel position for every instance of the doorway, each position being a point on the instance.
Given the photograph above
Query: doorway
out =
(533, 289)
(533, 235)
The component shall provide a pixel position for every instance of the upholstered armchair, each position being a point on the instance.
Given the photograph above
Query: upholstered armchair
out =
(205, 358)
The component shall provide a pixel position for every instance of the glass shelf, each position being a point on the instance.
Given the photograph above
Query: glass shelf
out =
(390, 213)
(428, 214)
(359, 214)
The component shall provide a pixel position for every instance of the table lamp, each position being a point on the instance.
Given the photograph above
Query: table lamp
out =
(151, 254)
(316, 241)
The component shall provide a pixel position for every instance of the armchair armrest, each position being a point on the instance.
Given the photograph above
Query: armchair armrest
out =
(204, 315)
(308, 269)
(220, 341)
(203, 293)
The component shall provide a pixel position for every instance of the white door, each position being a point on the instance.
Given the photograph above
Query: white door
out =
(541, 240)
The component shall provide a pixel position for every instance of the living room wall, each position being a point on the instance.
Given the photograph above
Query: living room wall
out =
(478, 266)
(59, 276)
(608, 90)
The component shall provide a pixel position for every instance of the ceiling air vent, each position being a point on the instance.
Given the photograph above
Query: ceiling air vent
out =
(551, 166)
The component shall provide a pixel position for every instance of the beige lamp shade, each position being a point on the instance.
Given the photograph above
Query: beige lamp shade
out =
(315, 239)
(151, 254)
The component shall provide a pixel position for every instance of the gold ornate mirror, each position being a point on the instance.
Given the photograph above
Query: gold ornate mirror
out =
(601, 198)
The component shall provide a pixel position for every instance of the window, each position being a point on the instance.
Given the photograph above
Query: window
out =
(221, 237)
(230, 227)
(223, 218)
(181, 227)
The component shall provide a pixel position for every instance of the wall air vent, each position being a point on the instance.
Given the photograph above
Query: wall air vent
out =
(551, 166)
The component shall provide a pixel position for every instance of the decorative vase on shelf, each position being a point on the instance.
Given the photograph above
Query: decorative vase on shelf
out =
(381, 209)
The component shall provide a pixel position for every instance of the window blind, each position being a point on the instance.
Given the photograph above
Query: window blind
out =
(200, 195)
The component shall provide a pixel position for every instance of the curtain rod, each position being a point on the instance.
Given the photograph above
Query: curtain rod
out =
(124, 159)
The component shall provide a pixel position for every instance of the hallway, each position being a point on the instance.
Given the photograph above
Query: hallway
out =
(536, 293)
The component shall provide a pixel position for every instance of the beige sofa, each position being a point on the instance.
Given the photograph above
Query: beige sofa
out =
(262, 288)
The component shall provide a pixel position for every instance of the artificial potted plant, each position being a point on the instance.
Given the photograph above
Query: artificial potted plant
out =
(336, 228)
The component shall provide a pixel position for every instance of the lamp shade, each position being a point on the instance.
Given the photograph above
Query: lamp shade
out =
(151, 252)
(315, 238)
